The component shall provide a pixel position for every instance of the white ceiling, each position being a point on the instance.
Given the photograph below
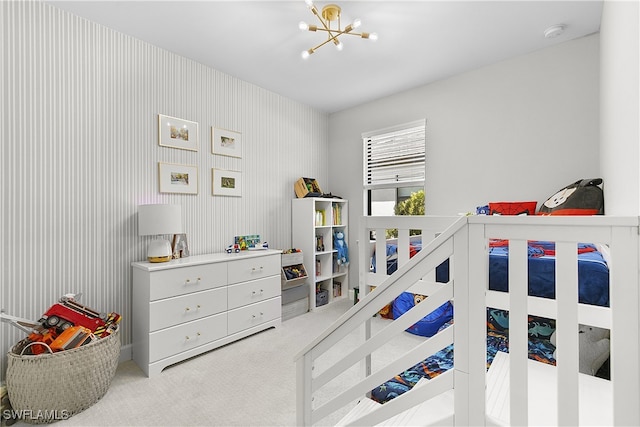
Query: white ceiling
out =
(419, 41)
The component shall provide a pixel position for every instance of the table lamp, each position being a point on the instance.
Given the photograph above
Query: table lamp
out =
(158, 220)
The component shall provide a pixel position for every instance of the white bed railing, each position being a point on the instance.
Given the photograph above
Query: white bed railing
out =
(464, 241)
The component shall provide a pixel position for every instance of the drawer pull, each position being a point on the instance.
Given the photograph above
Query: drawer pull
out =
(254, 269)
(254, 316)
(188, 337)
(189, 280)
(189, 308)
(253, 293)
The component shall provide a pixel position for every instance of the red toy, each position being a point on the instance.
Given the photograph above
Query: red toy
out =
(68, 313)
(72, 337)
(233, 248)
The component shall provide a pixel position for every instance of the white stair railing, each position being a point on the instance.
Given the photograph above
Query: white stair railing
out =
(416, 271)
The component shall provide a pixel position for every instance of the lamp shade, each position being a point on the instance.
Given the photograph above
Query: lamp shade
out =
(159, 219)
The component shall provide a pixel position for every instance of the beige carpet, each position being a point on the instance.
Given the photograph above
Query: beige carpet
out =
(247, 383)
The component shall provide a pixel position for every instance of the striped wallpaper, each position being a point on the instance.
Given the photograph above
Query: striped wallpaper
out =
(80, 152)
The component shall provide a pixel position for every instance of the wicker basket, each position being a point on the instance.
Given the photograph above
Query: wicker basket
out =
(50, 387)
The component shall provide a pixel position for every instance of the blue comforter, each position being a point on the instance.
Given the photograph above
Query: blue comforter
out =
(593, 271)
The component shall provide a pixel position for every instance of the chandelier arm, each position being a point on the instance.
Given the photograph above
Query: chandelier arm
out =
(323, 43)
(352, 34)
(337, 34)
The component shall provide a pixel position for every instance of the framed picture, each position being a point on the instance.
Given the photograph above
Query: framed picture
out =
(226, 183)
(177, 133)
(176, 178)
(226, 142)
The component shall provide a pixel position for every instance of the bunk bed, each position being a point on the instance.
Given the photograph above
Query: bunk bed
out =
(466, 242)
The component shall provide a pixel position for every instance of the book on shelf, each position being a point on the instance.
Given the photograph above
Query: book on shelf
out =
(337, 214)
(337, 289)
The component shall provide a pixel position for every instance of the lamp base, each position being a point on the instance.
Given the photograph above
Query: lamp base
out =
(159, 258)
(159, 251)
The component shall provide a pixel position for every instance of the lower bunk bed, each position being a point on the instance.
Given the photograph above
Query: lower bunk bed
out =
(593, 279)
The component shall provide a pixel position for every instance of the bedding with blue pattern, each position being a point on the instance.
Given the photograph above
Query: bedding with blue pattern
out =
(593, 283)
(540, 349)
(593, 271)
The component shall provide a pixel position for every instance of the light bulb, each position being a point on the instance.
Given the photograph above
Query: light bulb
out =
(309, 3)
(306, 53)
(356, 23)
(373, 36)
(339, 45)
(303, 26)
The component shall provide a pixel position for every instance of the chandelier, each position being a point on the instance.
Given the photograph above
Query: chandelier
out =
(329, 14)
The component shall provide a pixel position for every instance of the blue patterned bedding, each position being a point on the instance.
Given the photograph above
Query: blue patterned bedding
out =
(593, 271)
(540, 349)
(593, 283)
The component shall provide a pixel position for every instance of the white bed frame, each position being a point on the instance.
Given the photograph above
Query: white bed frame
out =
(470, 391)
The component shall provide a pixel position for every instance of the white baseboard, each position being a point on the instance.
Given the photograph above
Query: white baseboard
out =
(125, 353)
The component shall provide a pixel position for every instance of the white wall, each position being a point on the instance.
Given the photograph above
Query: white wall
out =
(619, 111)
(79, 105)
(516, 130)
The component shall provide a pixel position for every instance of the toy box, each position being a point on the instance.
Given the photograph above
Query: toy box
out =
(307, 187)
(293, 271)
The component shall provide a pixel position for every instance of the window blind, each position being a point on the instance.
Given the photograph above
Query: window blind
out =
(395, 157)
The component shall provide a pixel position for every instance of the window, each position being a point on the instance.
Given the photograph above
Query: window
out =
(394, 160)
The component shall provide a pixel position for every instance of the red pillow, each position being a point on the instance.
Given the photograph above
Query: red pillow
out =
(512, 208)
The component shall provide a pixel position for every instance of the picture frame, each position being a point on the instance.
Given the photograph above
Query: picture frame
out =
(226, 142)
(177, 133)
(226, 183)
(177, 178)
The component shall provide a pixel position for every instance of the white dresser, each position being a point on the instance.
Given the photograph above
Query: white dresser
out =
(185, 307)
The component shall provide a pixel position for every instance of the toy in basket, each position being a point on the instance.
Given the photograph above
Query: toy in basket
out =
(72, 370)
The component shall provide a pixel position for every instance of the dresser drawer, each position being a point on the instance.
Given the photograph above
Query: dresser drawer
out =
(252, 315)
(180, 281)
(174, 340)
(173, 311)
(254, 268)
(253, 291)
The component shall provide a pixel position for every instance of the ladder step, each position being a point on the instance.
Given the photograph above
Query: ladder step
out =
(363, 407)
(436, 411)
